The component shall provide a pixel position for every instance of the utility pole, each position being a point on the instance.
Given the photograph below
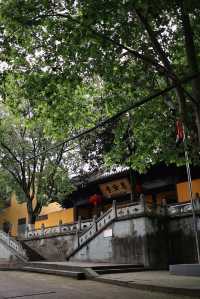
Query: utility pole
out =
(191, 195)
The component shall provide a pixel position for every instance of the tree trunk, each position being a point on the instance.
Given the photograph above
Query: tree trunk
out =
(31, 221)
(31, 214)
(192, 63)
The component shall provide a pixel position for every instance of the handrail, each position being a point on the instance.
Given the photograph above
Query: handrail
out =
(103, 215)
(179, 205)
(95, 221)
(127, 204)
(181, 209)
(94, 228)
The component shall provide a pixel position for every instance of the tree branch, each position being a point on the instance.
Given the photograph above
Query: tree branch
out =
(170, 73)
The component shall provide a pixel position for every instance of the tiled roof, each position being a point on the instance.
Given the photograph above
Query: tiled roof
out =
(91, 177)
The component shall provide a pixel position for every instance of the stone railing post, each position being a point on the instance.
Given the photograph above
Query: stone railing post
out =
(60, 226)
(26, 232)
(164, 207)
(114, 209)
(79, 223)
(42, 229)
(77, 236)
(143, 202)
(95, 222)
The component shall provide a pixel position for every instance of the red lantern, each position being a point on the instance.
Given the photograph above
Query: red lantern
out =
(138, 188)
(95, 199)
(179, 131)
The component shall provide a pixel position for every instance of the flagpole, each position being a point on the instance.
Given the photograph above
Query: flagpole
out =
(191, 196)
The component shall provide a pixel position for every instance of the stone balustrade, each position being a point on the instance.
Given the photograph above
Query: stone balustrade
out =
(105, 219)
(131, 209)
(85, 229)
(181, 209)
(57, 230)
(96, 226)
(13, 244)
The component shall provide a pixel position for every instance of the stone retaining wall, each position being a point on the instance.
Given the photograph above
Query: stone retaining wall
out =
(152, 239)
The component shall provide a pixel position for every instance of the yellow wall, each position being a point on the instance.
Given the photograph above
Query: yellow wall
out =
(182, 190)
(66, 216)
(16, 211)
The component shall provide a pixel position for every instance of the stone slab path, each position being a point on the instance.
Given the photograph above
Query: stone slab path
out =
(14, 284)
(156, 281)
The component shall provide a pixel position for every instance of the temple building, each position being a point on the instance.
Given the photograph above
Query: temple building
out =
(95, 195)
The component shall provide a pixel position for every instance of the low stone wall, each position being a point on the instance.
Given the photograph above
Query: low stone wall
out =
(132, 234)
(132, 240)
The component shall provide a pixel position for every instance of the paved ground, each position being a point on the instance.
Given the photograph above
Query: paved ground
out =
(15, 284)
(158, 278)
(151, 280)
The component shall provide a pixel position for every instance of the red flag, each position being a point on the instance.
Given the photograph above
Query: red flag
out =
(179, 131)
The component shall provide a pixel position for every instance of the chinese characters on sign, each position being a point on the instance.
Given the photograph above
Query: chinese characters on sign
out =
(115, 188)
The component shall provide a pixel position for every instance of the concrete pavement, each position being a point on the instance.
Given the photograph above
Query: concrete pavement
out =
(160, 281)
(14, 284)
(155, 281)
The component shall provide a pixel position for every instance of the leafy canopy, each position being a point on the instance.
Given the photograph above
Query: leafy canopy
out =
(81, 61)
(31, 164)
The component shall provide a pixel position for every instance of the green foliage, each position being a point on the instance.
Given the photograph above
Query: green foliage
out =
(79, 62)
(32, 164)
(7, 185)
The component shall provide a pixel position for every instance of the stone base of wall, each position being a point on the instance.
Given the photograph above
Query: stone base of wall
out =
(182, 248)
(139, 241)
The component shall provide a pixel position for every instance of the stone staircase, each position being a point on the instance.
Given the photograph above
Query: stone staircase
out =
(13, 247)
(31, 254)
(117, 212)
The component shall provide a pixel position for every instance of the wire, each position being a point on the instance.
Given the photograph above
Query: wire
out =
(119, 114)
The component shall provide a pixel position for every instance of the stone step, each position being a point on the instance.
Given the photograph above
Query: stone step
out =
(55, 266)
(118, 270)
(73, 274)
(185, 269)
(118, 266)
(31, 253)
